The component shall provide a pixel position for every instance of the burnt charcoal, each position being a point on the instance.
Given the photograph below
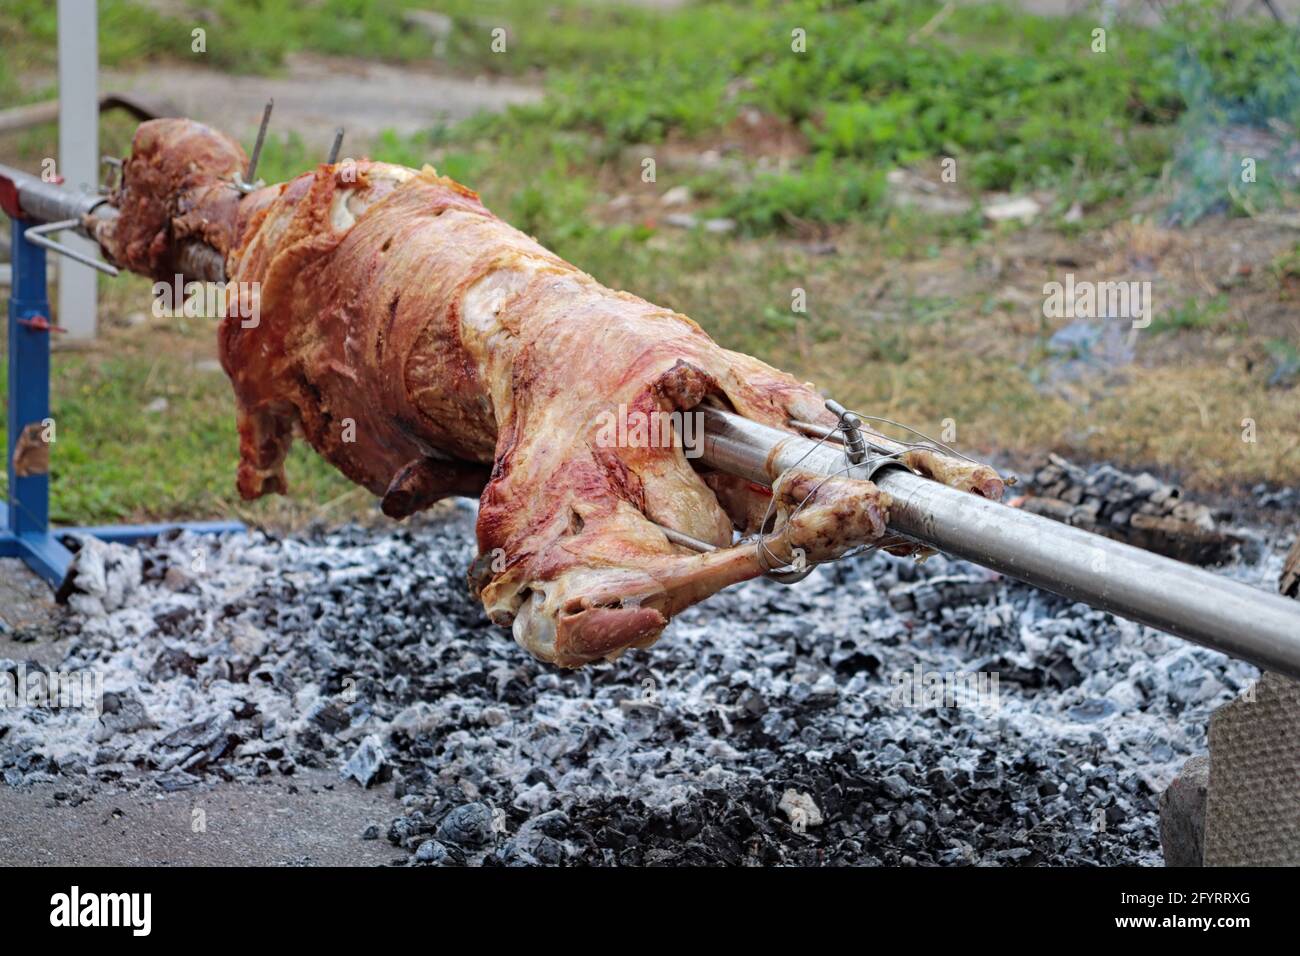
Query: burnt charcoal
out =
(331, 718)
(413, 780)
(404, 829)
(172, 622)
(199, 734)
(1138, 509)
(544, 849)
(678, 755)
(122, 714)
(857, 662)
(555, 824)
(177, 780)
(469, 826)
(366, 762)
(1284, 499)
(1061, 672)
(1090, 710)
(433, 853)
(173, 661)
(896, 786)
(510, 854)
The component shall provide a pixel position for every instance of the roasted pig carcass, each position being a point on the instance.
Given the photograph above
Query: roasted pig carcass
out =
(426, 348)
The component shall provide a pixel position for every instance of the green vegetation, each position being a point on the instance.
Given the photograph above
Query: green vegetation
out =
(1193, 314)
(824, 191)
(1287, 265)
(1021, 101)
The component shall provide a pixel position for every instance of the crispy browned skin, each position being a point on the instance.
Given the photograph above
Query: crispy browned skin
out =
(175, 187)
(427, 348)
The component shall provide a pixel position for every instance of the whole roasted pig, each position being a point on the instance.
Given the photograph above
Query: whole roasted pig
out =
(426, 348)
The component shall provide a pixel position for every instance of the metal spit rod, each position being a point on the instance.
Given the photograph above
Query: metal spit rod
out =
(1179, 599)
(51, 204)
(44, 202)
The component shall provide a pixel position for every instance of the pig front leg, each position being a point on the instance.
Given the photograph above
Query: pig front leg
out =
(610, 603)
(265, 434)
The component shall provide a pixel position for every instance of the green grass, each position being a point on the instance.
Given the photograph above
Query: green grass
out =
(1193, 314)
(824, 191)
(1286, 266)
(1285, 355)
(1021, 101)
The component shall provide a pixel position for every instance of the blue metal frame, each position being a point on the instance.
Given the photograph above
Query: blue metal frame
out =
(25, 520)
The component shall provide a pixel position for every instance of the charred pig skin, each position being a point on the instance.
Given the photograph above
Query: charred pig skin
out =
(426, 348)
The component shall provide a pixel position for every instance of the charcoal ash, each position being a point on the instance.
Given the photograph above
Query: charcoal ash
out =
(1285, 499)
(469, 825)
(367, 764)
(101, 578)
(766, 727)
(1139, 509)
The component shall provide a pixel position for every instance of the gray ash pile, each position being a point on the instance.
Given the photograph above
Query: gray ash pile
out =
(880, 712)
(1140, 510)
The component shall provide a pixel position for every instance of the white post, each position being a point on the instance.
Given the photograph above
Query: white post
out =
(78, 152)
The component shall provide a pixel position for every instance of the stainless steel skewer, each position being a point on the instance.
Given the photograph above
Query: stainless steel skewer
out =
(1208, 609)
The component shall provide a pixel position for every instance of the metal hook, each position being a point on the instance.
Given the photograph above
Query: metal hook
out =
(338, 145)
(37, 236)
(703, 547)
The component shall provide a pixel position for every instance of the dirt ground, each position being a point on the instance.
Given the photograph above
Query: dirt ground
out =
(26, 611)
(316, 94)
(312, 819)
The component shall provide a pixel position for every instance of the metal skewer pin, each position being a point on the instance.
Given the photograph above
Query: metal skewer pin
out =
(248, 182)
(855, 446)
(790, 576)
(338, 145)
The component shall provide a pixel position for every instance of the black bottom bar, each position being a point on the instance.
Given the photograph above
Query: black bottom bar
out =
(1029, 906)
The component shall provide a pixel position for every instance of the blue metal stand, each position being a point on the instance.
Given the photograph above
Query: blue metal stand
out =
(25, 520)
